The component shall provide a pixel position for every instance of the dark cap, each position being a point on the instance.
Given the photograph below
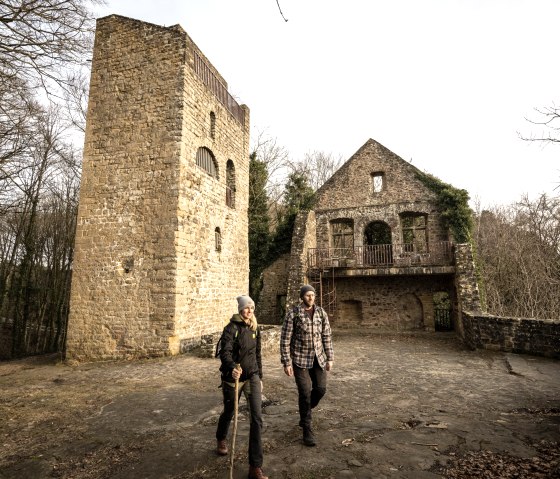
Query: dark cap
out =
(305, 289)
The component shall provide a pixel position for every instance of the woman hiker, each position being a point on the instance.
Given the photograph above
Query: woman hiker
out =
(241, 344)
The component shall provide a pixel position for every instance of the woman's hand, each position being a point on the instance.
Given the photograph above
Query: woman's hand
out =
(236, 372)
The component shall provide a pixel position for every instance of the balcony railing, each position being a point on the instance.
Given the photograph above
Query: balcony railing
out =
(218, 88)
(383, 255)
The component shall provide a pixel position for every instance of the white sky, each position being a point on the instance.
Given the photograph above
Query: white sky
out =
(444, 83)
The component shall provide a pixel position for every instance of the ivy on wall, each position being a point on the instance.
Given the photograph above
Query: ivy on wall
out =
(454, 205)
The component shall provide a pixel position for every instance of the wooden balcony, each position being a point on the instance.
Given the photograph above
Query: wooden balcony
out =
(383, 256)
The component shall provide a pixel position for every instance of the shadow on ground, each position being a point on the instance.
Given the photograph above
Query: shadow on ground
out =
(397, 407)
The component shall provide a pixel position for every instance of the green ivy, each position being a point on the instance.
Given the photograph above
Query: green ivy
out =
(454, 205)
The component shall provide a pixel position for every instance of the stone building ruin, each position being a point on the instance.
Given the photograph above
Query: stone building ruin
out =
(161, 246)
(377, 251)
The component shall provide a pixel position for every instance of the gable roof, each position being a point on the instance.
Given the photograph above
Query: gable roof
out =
(352, 184)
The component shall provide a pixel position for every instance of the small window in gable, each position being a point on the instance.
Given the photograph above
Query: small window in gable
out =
(230, 184)
(378, 181)
(212, 125)
(218, 240)
(205, 160)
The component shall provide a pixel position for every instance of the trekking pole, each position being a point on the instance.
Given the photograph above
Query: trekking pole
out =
(235, 410)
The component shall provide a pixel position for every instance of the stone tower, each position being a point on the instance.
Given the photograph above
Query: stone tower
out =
(162, 242)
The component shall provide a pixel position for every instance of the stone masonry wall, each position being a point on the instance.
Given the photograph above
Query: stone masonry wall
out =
(352, 185)
(208, 281)
(275, 279)
(388, 303)
(349, 195)
(303, 238)
(147, 278)
(388, 214)
(518, 335)
(466, 285)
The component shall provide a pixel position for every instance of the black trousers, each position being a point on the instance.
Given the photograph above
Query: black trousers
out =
(252, 390)
(312, 386)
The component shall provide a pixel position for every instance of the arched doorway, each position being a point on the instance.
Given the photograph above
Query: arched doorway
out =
(377, 244)
(442, 311)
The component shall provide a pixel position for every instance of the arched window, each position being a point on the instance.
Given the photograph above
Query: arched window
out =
(212, 125)
(205, 159)
(342, 234)
(218, 240)
(377, 244)
(230, 184)
(414, 234)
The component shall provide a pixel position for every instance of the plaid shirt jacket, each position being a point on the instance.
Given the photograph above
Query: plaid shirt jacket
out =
(302, 339)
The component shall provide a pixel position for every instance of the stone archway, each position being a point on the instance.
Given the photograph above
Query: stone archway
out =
(377, 244)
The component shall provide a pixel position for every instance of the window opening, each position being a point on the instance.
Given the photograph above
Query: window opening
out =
(218, 240)
(414, 233)
(378, 181)
(205, 159)
(377, 243)
(343, 238)
(230, 184)
(212, 125)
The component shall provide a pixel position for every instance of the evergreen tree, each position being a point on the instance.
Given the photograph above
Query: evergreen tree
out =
(259, 224)
(298, 196)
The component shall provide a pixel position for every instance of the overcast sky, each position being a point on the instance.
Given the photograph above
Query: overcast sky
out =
(445, 84)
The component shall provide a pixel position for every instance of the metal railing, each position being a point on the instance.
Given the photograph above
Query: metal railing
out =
(371, 256)
(218, 88)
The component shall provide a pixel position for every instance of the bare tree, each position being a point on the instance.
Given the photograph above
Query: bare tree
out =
(519, 257)
(76, 99)
(318, 167)
(40, 39)
(37, 241)
(549, 117)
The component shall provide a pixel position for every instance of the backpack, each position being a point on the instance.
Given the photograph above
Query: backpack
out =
(220, 342)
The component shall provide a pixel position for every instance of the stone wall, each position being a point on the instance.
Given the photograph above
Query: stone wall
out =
(352, 184)
(303, 238)
(467, 297)
(275, 278)
(148, 276)
(388, 303)
(270, 342)
(388, 214)
(518, 335)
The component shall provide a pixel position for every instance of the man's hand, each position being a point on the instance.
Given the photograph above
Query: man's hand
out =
(329, 365)
(236, 372)
(289, 370)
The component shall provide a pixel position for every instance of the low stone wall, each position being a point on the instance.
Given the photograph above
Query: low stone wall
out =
(270, 341)
(540, 337)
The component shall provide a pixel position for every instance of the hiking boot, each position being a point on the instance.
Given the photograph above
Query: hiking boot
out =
(308, 437)
(222, 449)
(256, 473)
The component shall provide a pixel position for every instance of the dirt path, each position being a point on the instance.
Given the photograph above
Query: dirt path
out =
(397, 407)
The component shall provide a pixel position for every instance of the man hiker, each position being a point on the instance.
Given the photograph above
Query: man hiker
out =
(306, 352)
(240, 344)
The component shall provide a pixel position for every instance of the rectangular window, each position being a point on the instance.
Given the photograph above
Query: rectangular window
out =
(414, 234)
(378, 182)
(343, 238)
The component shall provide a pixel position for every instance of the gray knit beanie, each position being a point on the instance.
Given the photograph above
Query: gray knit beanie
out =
(243, 301)
(305, 289)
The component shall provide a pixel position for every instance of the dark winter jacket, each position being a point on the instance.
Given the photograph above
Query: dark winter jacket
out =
(241, 344)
